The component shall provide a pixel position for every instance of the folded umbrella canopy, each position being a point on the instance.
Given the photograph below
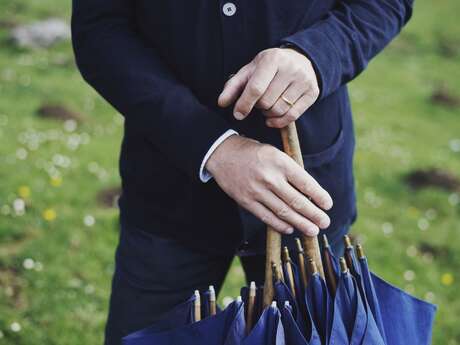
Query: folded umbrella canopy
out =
(225, 327)
(317, 300)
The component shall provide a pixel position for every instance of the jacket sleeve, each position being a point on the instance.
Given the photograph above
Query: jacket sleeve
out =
(129, 74)
(342, 43)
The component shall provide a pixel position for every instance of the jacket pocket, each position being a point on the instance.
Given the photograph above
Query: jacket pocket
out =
(317, 159)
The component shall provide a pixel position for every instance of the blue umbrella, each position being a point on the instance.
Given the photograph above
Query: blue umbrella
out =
(352, 306)
(268, 330)
(296, 318)
(398, 315)
(349, 305)
(224, 328)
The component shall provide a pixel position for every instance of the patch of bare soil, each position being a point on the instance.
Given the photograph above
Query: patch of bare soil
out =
(433, 177)
(11, 285)
(7, 24)
(58, 112)
(109, 197)
(442, 96)
(435, 251)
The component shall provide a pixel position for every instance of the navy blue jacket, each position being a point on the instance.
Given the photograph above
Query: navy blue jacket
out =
(163, 63)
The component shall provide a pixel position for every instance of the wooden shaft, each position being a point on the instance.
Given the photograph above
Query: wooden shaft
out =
(310, 244)
(302, 267)
(348, 254)
(197, 306)
(291, 146)
(251, 306)
(212, 301)
(273, 255)
(328, 268)
(289, 271)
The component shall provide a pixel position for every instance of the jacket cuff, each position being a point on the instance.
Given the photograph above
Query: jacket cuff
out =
(321, 51)
(205, 176)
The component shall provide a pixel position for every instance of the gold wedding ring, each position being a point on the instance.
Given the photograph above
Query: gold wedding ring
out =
(287, 101)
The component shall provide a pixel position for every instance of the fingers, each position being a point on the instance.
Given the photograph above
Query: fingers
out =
(269, 218)
(300, 203)
(255, 88)
(291, 95)
(308, 186)
(293, 113)
(235, 86)
(285, 213)
(276, 88)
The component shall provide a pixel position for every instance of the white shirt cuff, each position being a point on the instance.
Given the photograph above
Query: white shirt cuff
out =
(205, 176)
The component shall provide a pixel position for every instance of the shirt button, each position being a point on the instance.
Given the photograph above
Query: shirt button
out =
(229, 9)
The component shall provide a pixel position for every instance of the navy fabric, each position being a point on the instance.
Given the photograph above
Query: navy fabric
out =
(292, 332)
(258, 304)
(372, 333)
(299, 290)
(147, 283)
(349, 305)
(348, 321)
(320, 305)
(162, 65)
(405, 318)
(304, 326)
(299, 304)
(225, 328)
(268, 330)
(371, 295)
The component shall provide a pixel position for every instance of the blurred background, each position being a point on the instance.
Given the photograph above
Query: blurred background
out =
(59, 145)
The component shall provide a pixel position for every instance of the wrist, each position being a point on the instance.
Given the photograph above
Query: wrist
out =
(225, 151)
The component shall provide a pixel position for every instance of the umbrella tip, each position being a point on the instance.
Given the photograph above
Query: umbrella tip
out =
(197, 303)
(312, 266)
(299, 245)
(325, 241)
(274, 305)
(197, 295)
(252, 289)
(212, 293)
(360, 251)
(343, 265)
(347, 241)
(239, 299)
(276, 272)
(286, 257)
(287, 304)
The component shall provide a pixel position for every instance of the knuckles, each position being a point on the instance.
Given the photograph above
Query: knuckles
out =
(264, 104)
(297, 204)
(315, 91)
(282, 212)
(255, 90)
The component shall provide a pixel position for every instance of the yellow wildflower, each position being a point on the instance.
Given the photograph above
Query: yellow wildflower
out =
(56, 181)
(24, 192)
(49, 214)
(447, 279)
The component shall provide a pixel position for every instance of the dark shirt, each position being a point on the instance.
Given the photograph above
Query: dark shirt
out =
(162, 65)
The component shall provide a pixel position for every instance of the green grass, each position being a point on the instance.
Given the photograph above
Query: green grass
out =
(63, 299)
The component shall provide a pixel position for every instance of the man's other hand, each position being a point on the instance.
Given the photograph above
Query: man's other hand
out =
(269, 184)
(279, 81)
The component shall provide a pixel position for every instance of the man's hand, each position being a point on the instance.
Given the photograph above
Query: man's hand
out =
(269, 184)
(279, 81)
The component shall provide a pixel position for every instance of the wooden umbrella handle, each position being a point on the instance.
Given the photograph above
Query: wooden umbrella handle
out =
(310, 244)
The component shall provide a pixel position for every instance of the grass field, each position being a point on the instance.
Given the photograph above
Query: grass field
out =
(57, 241)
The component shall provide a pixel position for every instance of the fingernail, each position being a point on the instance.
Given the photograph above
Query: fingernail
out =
(314, 230)
(289, 230)
(238, 116)
(328, 204)
(324, 222)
